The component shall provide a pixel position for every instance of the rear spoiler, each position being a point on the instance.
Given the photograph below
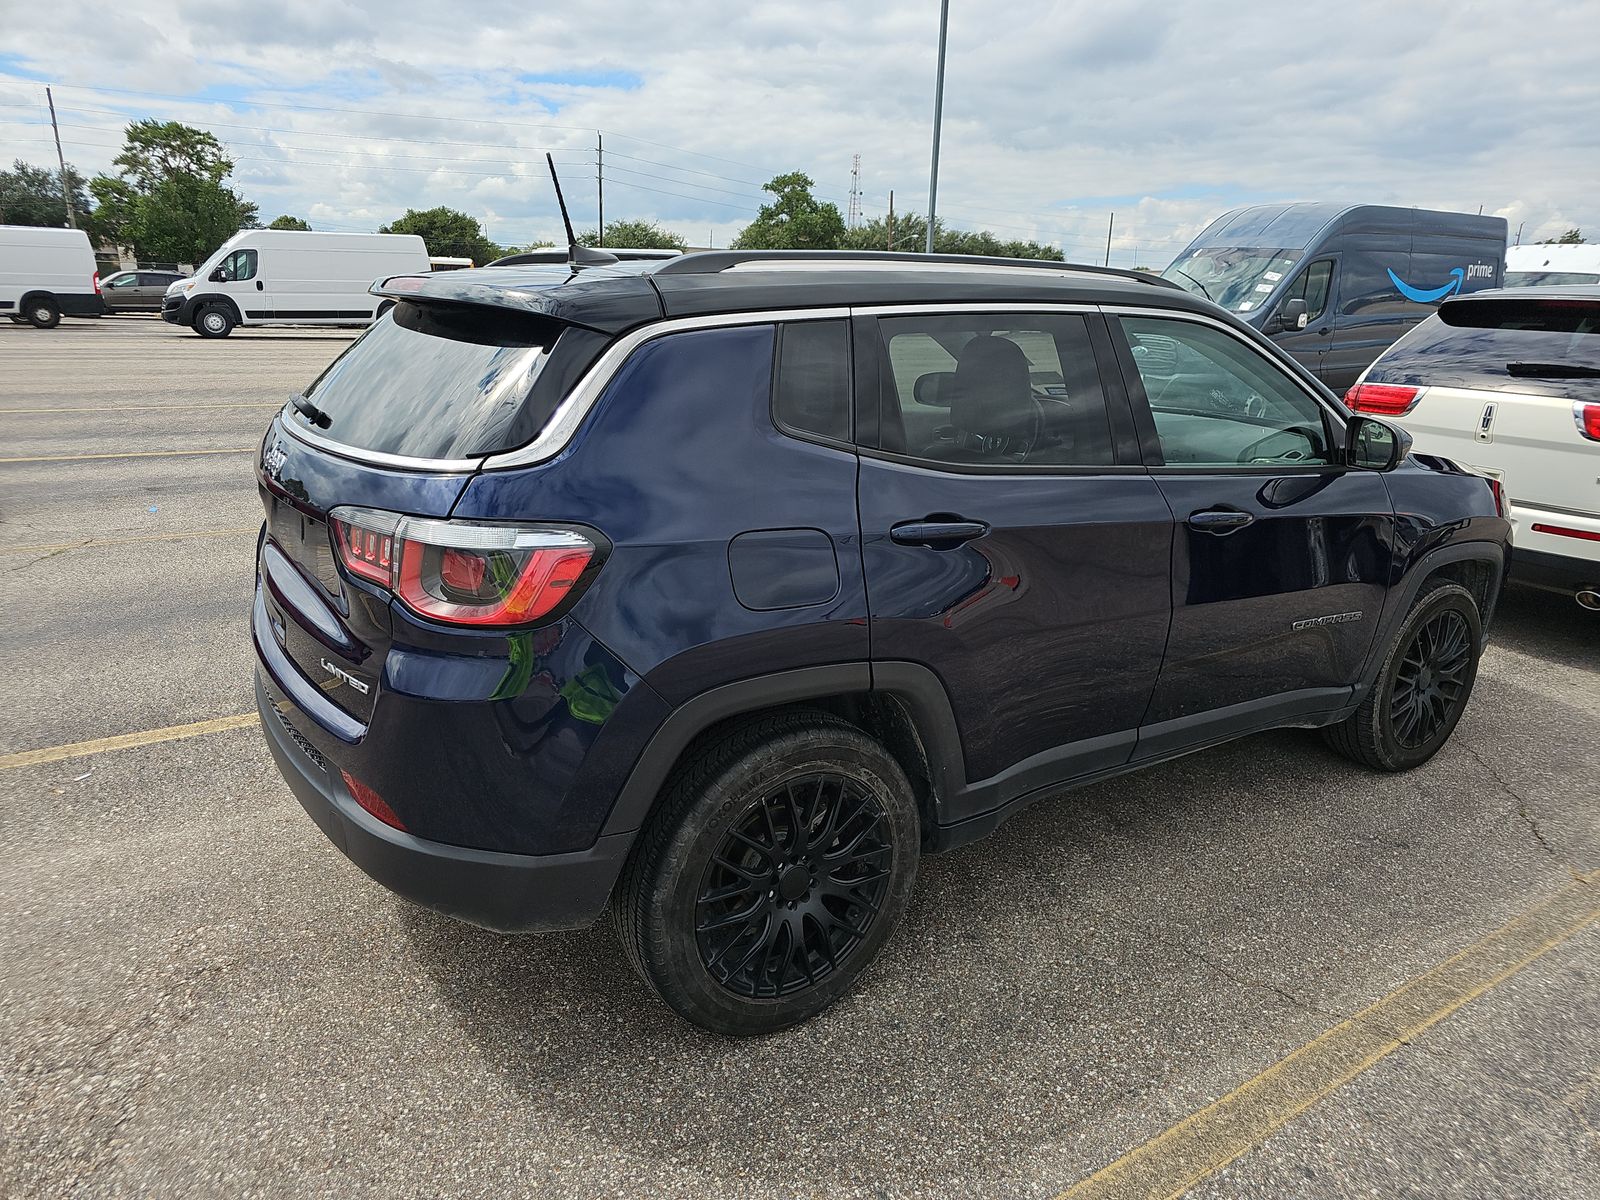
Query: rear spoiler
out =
(539, 293)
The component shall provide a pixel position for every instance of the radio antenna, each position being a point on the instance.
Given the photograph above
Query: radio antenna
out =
(578, 256)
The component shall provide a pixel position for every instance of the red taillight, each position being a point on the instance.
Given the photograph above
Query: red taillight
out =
(367, 552)
(1588, 418)
(466, 574)
(1382, 399)
(1498, 490)
(371, 801)
(97, 283)
(1586, 535)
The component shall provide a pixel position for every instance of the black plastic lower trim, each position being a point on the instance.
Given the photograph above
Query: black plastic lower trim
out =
(81, 305)
(510, 893)
(1554, 572)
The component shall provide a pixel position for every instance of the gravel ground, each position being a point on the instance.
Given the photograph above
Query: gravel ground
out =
(199, 996)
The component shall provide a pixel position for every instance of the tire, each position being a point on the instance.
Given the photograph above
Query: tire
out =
(1423, 686)
(803, 788)
(42, 312)
(213, 321)
(382, 308)
(16, 320)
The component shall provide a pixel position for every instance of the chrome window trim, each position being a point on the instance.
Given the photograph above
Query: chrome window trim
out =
(563, 424)
(934, 309)
(1340, 414)
(376, 458)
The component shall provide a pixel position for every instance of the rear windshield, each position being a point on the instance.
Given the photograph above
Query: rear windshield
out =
(436, 381)
(1546, 346)
(1549, 278)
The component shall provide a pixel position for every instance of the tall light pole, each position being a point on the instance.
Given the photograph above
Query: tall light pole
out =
(938, 116)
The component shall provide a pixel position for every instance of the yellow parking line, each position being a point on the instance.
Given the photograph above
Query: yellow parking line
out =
(131, 454)
(1208, 1140)
(138, 407)
(91, 543)
(124, 741)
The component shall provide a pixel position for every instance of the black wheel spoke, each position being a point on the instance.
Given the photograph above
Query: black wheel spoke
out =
(795, 886)
(1431, 679)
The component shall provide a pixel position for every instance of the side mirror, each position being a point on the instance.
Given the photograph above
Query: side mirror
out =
(1374, 445)
(1294, 314)
(218, 275)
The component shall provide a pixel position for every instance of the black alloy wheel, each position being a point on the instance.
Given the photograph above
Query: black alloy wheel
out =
(794, 887)
(775, 867)
(1421, 688)
(1432, 679)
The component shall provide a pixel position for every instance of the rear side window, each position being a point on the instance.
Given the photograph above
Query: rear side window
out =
(1543, 345)
(436, 381)
(812, 391)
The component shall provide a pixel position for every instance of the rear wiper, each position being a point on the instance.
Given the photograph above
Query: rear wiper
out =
(310, 411)
(1553, 370)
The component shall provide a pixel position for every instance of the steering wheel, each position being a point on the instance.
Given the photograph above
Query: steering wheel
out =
(1292, 456)
(1254, 405)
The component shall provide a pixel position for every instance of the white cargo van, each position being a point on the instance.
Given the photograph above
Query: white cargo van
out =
(285, 277)
(1552, 265)
(46, 274)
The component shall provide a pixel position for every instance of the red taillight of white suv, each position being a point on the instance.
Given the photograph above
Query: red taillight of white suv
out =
(1382, 399)
(466, 573)
(1588, 418)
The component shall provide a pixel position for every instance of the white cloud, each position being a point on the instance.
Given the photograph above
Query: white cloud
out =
(1056, 113)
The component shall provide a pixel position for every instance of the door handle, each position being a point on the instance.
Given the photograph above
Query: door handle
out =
(1325, 331)
(1219, 521)
(937, 535)
(260, 287)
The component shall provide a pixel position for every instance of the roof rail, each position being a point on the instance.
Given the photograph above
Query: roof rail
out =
(710, 262)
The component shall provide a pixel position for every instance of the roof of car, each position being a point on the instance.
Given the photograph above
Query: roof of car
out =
(1553, 291)
(619, 296)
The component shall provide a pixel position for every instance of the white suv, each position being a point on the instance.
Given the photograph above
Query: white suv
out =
(1507, 383)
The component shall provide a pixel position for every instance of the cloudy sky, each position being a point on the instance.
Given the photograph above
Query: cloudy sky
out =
(1056, 113)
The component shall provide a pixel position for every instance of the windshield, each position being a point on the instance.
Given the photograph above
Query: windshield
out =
(1546, 278)
(1237, 279)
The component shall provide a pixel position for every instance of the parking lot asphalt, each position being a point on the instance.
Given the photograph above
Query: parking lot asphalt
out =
(200, 997)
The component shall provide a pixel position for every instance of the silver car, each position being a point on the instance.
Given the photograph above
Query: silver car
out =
(137, 291)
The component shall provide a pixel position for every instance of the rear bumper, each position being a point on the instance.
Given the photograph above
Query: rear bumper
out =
(511, 893)
(1554, 572)
(82, 305)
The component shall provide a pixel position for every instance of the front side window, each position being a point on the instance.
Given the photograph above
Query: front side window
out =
(241, 264)
(122, 281)
(1312, 286)
(1218, 402)
(993, 390)
(812, 389)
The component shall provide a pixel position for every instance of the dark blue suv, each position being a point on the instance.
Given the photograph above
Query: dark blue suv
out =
(717, 590)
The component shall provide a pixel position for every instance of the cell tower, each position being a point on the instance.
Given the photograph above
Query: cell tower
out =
(853, 217)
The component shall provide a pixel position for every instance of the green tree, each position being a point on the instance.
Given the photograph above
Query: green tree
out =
(447, 233)
(288, 222)
(168, 201)
(795, 220)
(1572, 237)
(185, 218)
(154, 151)
(31, 195)
(634, 235)
(911, 233)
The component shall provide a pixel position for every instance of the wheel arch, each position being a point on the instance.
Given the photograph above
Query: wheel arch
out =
(901, 705)
(1480, 567)
(33, 294)
(214, 299)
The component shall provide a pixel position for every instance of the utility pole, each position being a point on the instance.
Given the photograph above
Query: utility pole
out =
(1110, 225)
(1520, 224)
(66, 187)
(890, 245)
(938, 116)
(600, 181)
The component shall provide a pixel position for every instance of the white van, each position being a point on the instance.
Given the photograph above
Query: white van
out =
(285, 277)
(1552, 265)
(46, 274)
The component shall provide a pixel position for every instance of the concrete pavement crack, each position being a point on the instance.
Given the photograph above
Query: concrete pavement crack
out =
(1522, 810)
